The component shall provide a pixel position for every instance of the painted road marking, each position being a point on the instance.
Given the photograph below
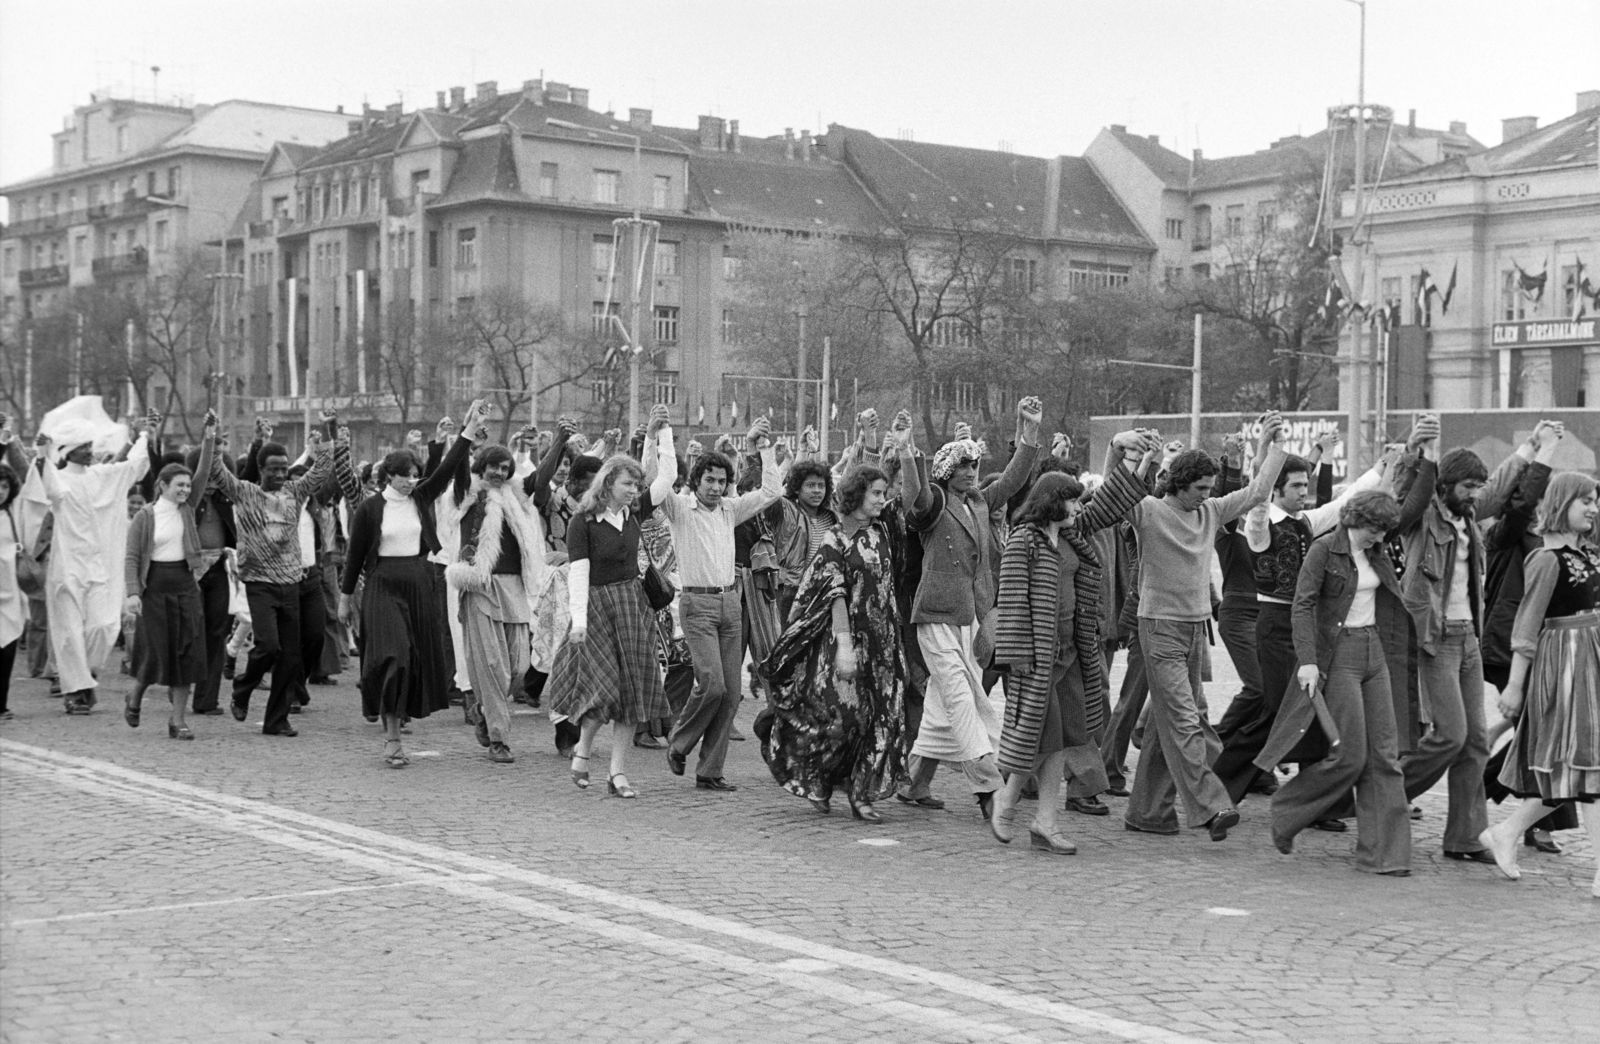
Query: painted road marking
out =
(396, 855)
(126, 911)
(1227, 911)
(878, 842)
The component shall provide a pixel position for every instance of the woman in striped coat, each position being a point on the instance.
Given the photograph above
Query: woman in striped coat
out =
(1055, 689)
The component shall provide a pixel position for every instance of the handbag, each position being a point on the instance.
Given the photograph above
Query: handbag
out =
(658, 591)
(30, 571)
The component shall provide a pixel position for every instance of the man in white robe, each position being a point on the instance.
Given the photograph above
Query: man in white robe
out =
(84, 585)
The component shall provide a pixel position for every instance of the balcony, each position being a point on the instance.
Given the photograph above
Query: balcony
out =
(49, 275)
(133, 262)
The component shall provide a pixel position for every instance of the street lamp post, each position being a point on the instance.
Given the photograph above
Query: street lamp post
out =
(1195, 373)
(637, 227)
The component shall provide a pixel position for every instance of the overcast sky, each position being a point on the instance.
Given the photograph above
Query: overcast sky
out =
(1228, 76)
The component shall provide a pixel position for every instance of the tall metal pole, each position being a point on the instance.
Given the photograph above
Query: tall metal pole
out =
(825, 397)
(1194, 388)
(800, 389)
(27, 379)
(1360, 372)
(638, 291)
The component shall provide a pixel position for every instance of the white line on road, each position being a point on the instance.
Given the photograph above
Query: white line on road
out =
(376, 850)
(124, 912)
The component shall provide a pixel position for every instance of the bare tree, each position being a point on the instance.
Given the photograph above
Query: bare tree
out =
(519, 349)
(402, 370)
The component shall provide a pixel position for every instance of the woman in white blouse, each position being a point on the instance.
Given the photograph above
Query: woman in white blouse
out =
(162, 569)
(405, 670)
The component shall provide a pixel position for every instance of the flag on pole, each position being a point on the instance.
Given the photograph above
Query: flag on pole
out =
(1532, 287)
(702, 419)
(733, 410)
(1426, 289)
(1583, 292)
(1449, 290)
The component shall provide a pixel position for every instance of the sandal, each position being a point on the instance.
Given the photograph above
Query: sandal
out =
(622, 791)
(179, 732)
(395, 758)
(581, 779)
(131, 708)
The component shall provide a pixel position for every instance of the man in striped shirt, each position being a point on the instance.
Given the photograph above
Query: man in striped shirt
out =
(282, 583)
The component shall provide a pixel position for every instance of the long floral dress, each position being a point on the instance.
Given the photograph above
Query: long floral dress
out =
(828, 732)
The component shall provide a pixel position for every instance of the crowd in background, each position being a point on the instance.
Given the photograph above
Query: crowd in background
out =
(892, 610)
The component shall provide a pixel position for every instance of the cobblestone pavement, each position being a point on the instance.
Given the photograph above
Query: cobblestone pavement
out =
(250, 888)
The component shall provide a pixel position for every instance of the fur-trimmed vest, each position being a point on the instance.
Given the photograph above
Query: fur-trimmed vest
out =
(484, 514)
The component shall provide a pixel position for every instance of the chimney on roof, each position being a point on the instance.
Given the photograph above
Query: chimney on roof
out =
(788, 143)
(354, 127)
(639, 119)
(533, 90)
(734, 145)
(488, 90)
(1118, 128)
(392, 114)
(1198, 157)
(439, 101)
(1155, 139)
(1458, 127)
(805, 146)
(556, 92)
(458, 99)
(1411, 120)
(339, 109)
(711, 133)
(580, 97)
(1588, 100)
(1517, 127)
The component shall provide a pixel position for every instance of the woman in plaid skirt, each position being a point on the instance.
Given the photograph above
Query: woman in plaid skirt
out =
(607, 670)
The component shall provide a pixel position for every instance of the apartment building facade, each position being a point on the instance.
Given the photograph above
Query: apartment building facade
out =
(134, 188)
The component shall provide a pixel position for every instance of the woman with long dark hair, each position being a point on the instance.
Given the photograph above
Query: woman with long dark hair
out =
(1055, 686)
(405, 668)
(163, 570)
(799, 522)
(838, 671)
(607, 669)
(1553, 692)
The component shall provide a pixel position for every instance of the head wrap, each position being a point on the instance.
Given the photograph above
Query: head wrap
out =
(954, 454)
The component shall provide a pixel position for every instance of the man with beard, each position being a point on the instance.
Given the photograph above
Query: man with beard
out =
(1443, 591)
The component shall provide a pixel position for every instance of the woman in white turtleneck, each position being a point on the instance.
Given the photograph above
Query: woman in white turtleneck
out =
(405, 670)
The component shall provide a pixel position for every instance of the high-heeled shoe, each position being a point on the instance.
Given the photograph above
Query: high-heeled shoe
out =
(865, 812)
(179, 732)
(1547, 845)
(1054, 843)
(621, 791)
(581, 779)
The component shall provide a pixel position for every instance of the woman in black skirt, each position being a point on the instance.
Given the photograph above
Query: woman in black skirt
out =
(607, 669)
(163, 567)
(405, 670)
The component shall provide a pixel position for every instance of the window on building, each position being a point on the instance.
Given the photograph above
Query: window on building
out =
(280, 206)
(1016, 333)
(1267, 216)
(1174, 228)
(1202, 227)
(10, 265)
(666, 390)
(363, 201)
(1514, 304)
(1094, 275)
(666, 324)
(374, 191)
(1200, 271)
(55, 202)
(1234, 218)
(61, 153)
(603, 389)
(80, 249)
(111, 245)
(465, 379)
(600, 316)
(549, 173)
(607, 184)
(174, 181)
(732, 263)
(317, 196)
(951, 332)
(433, 248)
(1172, 276)
(730, 327)
(72, 200)
(1389, 290)
(467, 248)
(150, 183)
(94, 194)
(336, 199)
(661, 192)
(600, 251)
(666, 259)
(419, 181)
(411, 249)
(161, 235)
(122, 138)
(1022, 275)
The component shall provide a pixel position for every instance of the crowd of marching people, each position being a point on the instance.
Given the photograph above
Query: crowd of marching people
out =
(892, 609)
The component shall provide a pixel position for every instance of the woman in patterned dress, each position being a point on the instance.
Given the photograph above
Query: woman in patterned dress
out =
(607, 670)
(1553, 692)
(838, 671)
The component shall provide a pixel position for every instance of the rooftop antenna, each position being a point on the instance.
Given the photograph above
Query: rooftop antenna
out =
(155, 84)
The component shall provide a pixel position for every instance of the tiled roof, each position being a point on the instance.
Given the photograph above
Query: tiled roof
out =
(297, 154)
(531, 119)
(1167, 165)
(247, 126)
(1090, 211)
(746, 189)
(1571, 142)
(378, 140)
(485, 170)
